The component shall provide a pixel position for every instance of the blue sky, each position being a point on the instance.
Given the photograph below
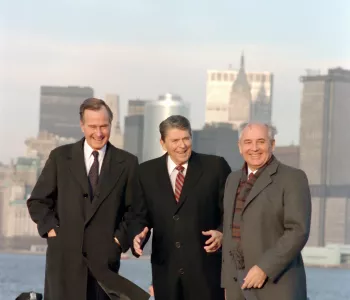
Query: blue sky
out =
(144, 48)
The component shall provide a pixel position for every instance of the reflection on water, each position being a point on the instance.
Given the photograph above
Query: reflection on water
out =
(26, 272)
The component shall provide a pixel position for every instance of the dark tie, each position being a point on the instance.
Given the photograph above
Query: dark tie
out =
(180, 179)
(250, 177)
(93, 173)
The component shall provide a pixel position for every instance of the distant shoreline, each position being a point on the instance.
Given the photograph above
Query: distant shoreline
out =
(147, 257)
(28, 252)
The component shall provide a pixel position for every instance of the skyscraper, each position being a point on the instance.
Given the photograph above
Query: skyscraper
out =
(59, 109)
(133, 127)
(238, 96)
(155, 112)
(324, 147)
(116, 137)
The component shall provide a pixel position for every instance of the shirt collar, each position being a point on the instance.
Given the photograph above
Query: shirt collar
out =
(250, 171)
(172, 165)
(88, 150)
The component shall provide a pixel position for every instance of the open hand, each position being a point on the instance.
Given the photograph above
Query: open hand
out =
(139, 239)
(214, 242)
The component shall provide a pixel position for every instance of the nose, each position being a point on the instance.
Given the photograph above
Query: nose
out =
(255, 147)
(98, 132)
(182, 144)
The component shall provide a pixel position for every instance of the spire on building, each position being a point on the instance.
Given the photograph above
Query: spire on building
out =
(242, 61)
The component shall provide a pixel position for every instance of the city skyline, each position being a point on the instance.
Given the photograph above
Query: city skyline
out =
(127, 53)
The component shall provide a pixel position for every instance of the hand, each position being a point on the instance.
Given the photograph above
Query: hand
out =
(151, 290)
(116, 240)
(51, 233)
(254, 279)
(139, 239)
(214, 243)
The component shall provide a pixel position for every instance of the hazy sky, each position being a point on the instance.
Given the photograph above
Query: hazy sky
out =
(140, 49)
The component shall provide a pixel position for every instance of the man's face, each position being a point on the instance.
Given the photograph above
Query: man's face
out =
(178, 144)
(255, 146)
(96, 127)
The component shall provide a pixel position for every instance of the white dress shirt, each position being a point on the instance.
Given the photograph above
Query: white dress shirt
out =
(250, 171)
(173, 172)
(89, 158)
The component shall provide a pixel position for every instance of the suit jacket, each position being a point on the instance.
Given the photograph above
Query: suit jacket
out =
(275, 226)
(178, 242)
(85, 229)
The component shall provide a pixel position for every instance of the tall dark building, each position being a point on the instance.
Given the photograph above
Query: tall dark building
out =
(219, 139)
(133, 135)
(133, 127)
(136, 107)
(59, 109)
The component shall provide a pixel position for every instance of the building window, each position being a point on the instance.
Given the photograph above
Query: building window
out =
(225, 77)
(219, 76)
(213, 76)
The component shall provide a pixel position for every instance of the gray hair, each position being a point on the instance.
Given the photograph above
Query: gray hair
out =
(175, 121)
(94, 104)
(271, 130)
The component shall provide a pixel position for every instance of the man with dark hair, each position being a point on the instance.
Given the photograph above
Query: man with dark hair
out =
(80, 204)
(181, 196)
(267, 216)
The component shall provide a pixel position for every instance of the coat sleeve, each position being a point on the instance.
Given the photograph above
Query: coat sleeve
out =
(140, 215)
(121, 232)
(42, 201)
(297, 217)
(226, 269)
(224, 171)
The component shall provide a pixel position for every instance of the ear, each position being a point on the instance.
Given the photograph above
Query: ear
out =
(162, 143)
(82, 126)
(239, 147)
(273, 143)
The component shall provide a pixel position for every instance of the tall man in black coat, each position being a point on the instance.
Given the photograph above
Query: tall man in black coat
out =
(80, 204)
(181, 196)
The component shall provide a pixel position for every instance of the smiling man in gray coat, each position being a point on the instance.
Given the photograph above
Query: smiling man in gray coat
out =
(267, 211)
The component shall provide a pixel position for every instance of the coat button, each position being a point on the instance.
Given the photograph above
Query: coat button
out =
(181, 271)
(85, 195)
(235, 278)
(176, 217)
(177, 244)
(84, 254)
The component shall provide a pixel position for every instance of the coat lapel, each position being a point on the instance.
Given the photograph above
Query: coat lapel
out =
(231, 194)
(193, 174)
(111, 170)
(77, 165)
(261, 183)
(164, 182)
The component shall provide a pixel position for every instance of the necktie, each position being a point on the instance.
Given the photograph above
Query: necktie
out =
(250, 177)
(93, 173)
(180, 179)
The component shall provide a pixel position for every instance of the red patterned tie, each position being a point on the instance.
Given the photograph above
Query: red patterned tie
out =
(250, 177)
(180, 179)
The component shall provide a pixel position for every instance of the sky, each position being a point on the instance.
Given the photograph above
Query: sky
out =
(141, 49)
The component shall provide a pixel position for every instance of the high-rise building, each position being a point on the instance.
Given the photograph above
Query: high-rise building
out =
(237, 97)
(324, 146)
(288, 155)
(136, 107)
(155, 113)
(133, 127)
(218, 139)
(59, 109)
(116, 137)
(133, 135)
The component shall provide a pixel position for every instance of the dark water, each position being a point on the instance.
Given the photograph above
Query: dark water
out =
(20, 273)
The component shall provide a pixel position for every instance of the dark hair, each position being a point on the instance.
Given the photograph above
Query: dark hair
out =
(94, 104)
(175, 121)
